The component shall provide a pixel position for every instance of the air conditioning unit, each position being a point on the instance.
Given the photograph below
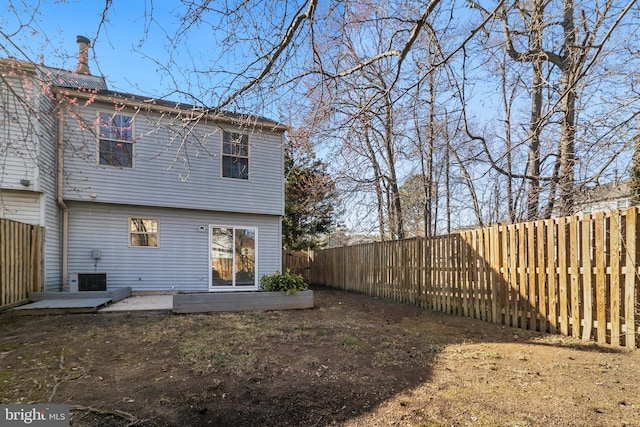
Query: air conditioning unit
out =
(81, 282)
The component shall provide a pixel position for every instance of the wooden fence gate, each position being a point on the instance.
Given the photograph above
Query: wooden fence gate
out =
(21, 261)
(298, 262)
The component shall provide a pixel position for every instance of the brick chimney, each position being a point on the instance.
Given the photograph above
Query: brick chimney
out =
(83, 55)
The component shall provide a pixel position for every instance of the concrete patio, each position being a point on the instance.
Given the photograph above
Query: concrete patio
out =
(141, 303)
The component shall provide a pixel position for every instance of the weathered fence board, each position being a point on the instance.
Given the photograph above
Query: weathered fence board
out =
(21, 263)
(577, 276)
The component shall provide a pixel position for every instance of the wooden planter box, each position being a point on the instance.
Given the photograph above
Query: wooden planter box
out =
(241, 301)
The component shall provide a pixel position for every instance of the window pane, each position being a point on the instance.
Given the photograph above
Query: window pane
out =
(116, 126)
(134, 224)
(139, 240)
(222, 256)
(144, 225)
(114, 153)
(148, 226)
(153, 240)
(235, 149)
(235, 167)
(244, 145)
(245, 253)
(227, 148)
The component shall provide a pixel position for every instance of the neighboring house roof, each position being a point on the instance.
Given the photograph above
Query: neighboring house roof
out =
(612, 195)
(605, 192)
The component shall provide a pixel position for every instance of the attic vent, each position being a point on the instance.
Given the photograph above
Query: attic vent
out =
(92, 282)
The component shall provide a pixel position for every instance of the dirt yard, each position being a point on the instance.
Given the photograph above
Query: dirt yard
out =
(352, 361)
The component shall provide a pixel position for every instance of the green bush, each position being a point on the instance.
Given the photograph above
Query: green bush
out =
(283, 282)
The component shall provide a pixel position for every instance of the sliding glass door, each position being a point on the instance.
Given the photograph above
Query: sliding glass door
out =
(233, 258)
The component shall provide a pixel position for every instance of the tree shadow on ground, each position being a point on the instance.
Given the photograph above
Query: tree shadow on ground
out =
(321, 366)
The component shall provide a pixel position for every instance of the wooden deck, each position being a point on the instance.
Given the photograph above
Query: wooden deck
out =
(114, 294)
(241, 301)
(61, 306)
(69, 302)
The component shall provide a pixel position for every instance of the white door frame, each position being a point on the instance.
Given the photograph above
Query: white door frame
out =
(233, 287)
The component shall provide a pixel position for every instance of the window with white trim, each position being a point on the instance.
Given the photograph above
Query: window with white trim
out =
(235, 155)
(143, 232)
(115, 140)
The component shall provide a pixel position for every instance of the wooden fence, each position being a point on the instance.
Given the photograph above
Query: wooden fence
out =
(21, 261)
(298, 262)
(576, 276)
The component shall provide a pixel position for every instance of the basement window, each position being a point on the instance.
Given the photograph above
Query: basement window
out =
(143, 232)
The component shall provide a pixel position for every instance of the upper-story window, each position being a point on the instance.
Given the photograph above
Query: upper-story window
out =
(115, 145)
(235, 155)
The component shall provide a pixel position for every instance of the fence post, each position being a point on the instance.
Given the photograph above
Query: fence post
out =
(513, 274)
(630, 277)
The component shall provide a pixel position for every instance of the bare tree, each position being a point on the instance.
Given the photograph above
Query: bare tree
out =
(385, 90)
(530, 34)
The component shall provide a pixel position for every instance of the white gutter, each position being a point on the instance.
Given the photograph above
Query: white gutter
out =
(60, 198)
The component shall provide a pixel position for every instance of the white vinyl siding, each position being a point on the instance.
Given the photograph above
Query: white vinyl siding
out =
(180, 263)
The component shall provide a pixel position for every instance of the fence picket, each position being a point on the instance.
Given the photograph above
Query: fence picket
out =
(551, 276)
(486, 275)
(573, 285)
(504, 261)
(587, 282)
(21, 252)
(541, 271)
(532, 307)
(496, 278)
(600, 278)
(513, 273)
(631, 271)
(614, 276)
(573, 275)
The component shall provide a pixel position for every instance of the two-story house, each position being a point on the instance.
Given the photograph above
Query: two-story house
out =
(145, 193)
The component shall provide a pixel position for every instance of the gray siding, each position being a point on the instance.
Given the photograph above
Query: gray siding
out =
(25, 122)
(22, 206)
(181, 261)
(48, 184)
(173, 169)
(28, 148)
(18, 131)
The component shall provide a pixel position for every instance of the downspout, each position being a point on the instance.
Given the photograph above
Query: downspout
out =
(60, 199)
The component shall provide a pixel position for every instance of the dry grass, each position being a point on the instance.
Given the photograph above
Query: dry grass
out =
(353, 361)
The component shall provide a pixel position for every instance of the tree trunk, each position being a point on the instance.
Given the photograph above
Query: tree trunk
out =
(570, 69)
(533, 162)
(395, 206)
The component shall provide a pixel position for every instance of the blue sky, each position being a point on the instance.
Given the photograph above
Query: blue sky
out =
(114, 55)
